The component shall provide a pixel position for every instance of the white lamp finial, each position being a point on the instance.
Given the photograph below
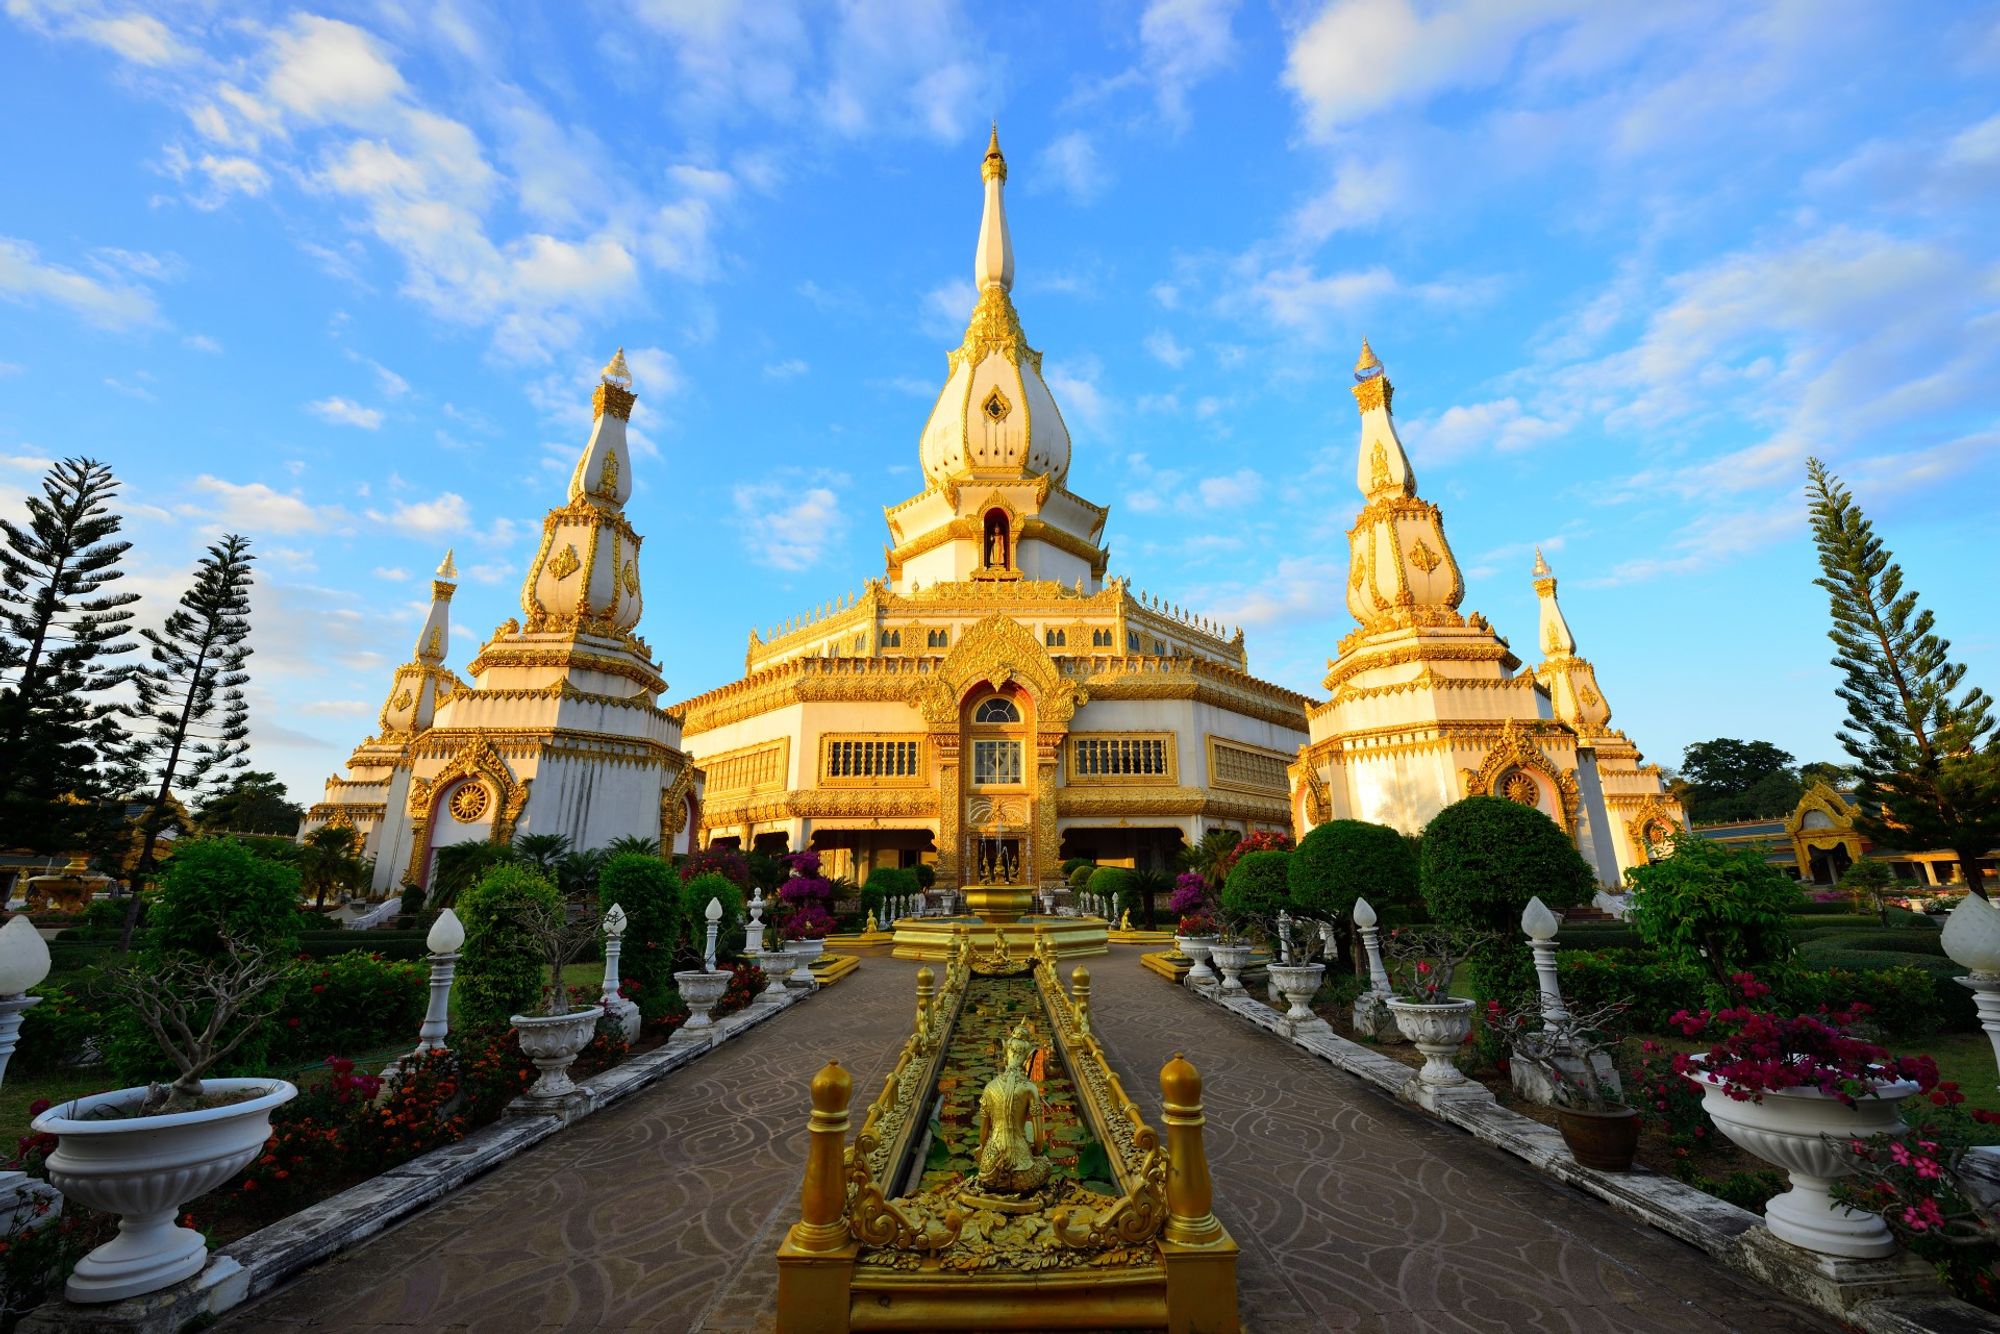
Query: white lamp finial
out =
(1538, 921)
(447, 933)
(1364, 913)
(24, 956)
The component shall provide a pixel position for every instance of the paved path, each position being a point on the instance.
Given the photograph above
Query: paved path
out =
(1353, 1212)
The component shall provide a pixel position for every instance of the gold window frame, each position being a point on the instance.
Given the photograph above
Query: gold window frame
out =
(1075, 777)
(1284, 762)
(921, 778)
(711, 765)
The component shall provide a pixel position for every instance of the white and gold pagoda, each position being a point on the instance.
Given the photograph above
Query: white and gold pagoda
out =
(995, 703)
(1429, 705)
(560, 730)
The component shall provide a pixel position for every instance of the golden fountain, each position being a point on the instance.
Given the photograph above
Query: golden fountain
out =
(1000, 903)
(1003, 1182)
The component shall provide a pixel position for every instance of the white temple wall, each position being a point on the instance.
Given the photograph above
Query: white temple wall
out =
(592, 802)
(1039, 560)
(1595, 834)
(1401, 791)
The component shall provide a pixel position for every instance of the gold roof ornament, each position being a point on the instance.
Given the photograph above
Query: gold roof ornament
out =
(1542, 569)
(995, 163)
(616, 372)
(1368, 365)
(446, 568)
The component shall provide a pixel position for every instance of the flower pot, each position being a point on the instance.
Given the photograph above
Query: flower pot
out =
(701, 990)
(803, 952)
(552, 1041)
(1298, 983)
(1806, 1133)
(144, 1168)
(776, 965)
(1231, 959)
(1199, 948)
(1603, 1140)
(1437, 1029)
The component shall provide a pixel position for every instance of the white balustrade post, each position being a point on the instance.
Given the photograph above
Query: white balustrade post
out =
(1371, 944)
(1972, 940)
(714, 915)
(447, 935)
(753, 932)
(1541, 925)
(614, 946)
(1284, 936)
(24, 962)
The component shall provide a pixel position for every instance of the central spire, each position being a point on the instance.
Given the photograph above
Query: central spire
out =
(993, 262)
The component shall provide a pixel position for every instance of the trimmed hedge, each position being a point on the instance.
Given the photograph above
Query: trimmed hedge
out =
(882, 882)
(1258, 887)
(1898, 942)
(650, 893)
(389, 944)
(1485, 857)
(500, 972)
(1119, 887)
(217, 886)
(1955, 1009)
(1599, 937)
(695, 895)
(1655, 989)
(1337, 861)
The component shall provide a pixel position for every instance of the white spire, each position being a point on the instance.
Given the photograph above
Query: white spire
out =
(994, 260)
(1381, 469)
(434, 640)
(603, 476)
(1557, 641)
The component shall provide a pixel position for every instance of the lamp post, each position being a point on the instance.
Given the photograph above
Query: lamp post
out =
(714, 915)
(447, 935)
(1371, 944)
(1541, 925)
(615, 1005)
(24, 962)
(753, 931)
(1972, 939)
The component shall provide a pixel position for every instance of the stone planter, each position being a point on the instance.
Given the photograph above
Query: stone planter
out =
(803, 952)
(1805, 1132)
(1298, 983)
(144, 1168)
(552, 1041)
(1437, 1030)
(1604, 1140)
(700, 990)
(1199, 948)
(1231, 959)
(777, 965)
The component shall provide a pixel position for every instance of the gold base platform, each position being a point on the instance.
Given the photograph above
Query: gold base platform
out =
(931, 938)
(830, 968)
(1172, 964)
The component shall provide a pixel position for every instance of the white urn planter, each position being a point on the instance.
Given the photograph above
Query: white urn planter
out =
(144, 1168)
(803, 953)
(700, 992)
(552, 1042)
(1199, 948)
(1437, 1029)
(1806, 1133)
(777, 965)
(1298, 983)
(1232, 959)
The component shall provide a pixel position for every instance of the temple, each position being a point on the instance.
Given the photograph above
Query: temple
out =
(1429, 705)
(995, 703)
(560, 729)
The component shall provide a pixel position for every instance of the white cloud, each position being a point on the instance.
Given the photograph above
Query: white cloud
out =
(1167, 295)
(257, 509)
(947, 307)
(1072, 163)
(139, 38)
(1499, 424)
(346, 412)
(1361, 193)
(1077, 394)
(109, 305)
(1181, 43)
(792, 521)
(327, 69)
(1238, 488)
(789, 369)
(337, 708)
(394, 574)
(202, 343)
(1298, 298)
(1166, 349)
(442, 517)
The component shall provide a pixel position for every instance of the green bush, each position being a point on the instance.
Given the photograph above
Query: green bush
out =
(695, 895)
(1599, 936)
(926, 875)
(1484, 857)
(1723, 909)
(214, 887)
(1955, 1010)
(348, 1004)
(1903, 942)
(104, 919)
(1657, 990)
(1343, 860)
(54, 1032)
(1119, 888)
(1903, 1000)
(501, 973)
(1071, 865)
(650, 893)
(882, 882)
(1079, 877)
(1257, 889)
(75, 956)
(389, 944)
(1831, 908)
(412, 899)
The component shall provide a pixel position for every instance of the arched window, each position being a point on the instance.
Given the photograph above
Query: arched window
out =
(1058, 639)
(997, 538)
(996, 710)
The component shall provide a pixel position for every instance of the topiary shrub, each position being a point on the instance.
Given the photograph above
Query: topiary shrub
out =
(1079, 878)
(926, 875)
(216, 887)
(500, 970)
(1071, 865)
(1257, 890)
(1342, 860)
(1118, 886)
(650, 893)
(695, 895)
(882, 882)
(1718, 908)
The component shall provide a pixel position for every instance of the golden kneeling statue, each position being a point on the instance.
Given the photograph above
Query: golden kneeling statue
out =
(1012, 1135)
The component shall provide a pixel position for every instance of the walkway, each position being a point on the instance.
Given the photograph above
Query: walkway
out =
(1353, 1212)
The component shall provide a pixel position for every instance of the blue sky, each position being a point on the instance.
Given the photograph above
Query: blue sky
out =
(340, 278)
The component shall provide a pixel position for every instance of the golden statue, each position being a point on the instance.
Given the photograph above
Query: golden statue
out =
(1125, 920)
(1012, 1136)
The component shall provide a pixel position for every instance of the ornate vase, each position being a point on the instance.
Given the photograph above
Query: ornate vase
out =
(1806, 1133)
(1199, 948)
(803, 952)
(144, 1168)
(777, 965)
(1298, 983)
(552, 1041)
(700, 991)
(1231, 959)
(1437, 1029)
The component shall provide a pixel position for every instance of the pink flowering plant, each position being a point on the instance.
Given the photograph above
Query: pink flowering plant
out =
(1754, 1052)
(805, 899)
(1423, 961)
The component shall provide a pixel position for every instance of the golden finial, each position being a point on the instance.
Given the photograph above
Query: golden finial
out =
(1541, 566)
(1367, 362)
(616, 372)
(995, 163)
(447, 570)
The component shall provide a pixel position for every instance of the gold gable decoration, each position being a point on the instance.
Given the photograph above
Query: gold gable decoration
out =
(1517, 750)
(1654, 814)
(999, 650)
(476, 759)
(673, 807)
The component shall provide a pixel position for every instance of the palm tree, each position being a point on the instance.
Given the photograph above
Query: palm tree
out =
(1151, 885)
(1209, 857)
(645, 847)
(576, 872)
(541, 851)
(330, 859)
(458, 868)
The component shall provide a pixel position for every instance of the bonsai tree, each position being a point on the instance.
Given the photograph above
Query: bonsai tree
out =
(1870, 881)
(1724, 910)
(1567, 1050)
(559, 932)
(199, 1011)
(1423, 961)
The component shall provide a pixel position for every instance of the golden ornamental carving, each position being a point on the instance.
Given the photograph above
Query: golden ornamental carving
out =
(1318, 805)
(1516, 749)
(1378, 466)
(405, 699)
(998, 649)
(1374, 392)
(1423, 557)
(469, 802)
(1591, 699)
(477, 759)
(608, 486)
(566, 563)
(995, 407)
(1517, 786)
(630, 577)
(613, 399)
(674, 806)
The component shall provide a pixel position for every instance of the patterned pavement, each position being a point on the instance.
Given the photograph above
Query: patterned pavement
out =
(1353, 1212)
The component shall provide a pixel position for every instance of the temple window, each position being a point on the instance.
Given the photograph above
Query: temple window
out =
(937, 638)
(996, 763)
(1100, 639)
(1132, 641)
(1058, 639)
(998, 536)
(996, 710)
(892, 639)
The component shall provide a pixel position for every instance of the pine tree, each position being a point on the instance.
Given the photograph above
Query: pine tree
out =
(59, 631)
(191, 711)
(1930, 763)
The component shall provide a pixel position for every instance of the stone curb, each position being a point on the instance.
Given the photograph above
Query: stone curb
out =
(254, 1265)
(1911, 1301)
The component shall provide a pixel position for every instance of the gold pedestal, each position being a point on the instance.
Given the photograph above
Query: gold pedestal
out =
(996, 904)
(931, 938)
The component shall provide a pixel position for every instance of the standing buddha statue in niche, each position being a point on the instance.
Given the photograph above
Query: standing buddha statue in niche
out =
(1012, 1134)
